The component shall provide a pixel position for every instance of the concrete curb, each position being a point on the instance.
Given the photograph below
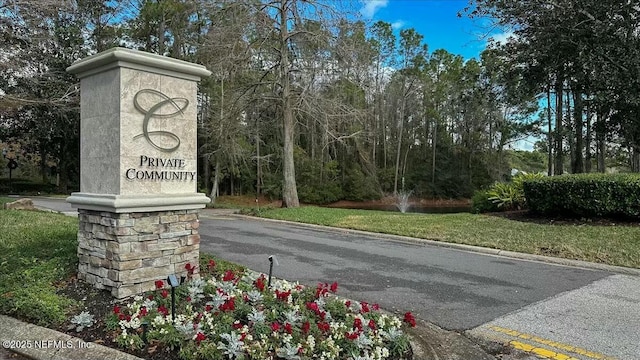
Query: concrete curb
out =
(40, 343)
(463, 247)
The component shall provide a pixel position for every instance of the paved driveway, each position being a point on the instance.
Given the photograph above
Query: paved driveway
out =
(454, 289)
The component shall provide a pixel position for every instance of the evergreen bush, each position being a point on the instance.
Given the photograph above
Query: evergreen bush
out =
(585, 195)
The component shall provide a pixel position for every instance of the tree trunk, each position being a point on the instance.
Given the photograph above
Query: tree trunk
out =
(258, 165)
(43, 165)
(289, 190)
(216, 180)
(399, 147)
(635, 159)
(600, 139)
(559, 166)
(578, 110)
(434, 143)
(588, 140)
(63, 170)
(549, 134)
(207, 170)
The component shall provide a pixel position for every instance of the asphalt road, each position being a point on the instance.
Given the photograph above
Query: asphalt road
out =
(550, 311)
(457, 290)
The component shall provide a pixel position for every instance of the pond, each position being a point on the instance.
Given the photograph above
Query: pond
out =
(414, 208)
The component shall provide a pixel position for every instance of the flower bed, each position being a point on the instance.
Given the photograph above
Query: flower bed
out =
(236, 315)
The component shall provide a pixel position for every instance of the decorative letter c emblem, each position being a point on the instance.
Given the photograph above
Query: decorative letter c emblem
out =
(151, 113)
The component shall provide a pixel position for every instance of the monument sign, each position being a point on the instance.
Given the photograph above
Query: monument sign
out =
(138, 201)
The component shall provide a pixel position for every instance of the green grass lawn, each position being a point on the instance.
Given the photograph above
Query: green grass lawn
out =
(4, 200)
(614, 245)
(37, 260)
(37, 254)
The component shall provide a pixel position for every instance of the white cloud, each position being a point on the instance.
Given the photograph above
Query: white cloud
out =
(371, 7)
(399, 24)
(503, 38)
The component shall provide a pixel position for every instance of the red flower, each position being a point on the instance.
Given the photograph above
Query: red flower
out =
(159, 284)
(313, 306)
(128, 317)
(143, 311)
(237, 325)
(351, 335)
(375, 307)
(188, 298)
(372, 325)
(288, 328)
(323, 326)
(275, 327)
(116, 309)
(229, 305)
(259, 283)
(334, 287)
(211, 264)
(190, 268)
(164, 293)
(283, 295)
(208, 308)
(242, 336)
(365, 307)
(228, 276)
(409, 319)
(321, 289)
(347, 303)
(200, 336)
(305, 327)
(150, 297)
(163, 310)
(357, 324)
(122, 316)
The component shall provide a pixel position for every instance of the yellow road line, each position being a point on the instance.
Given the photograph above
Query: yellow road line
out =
(547, 354)
(554, 344)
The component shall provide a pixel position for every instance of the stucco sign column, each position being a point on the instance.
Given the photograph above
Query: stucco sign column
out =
(138, 201)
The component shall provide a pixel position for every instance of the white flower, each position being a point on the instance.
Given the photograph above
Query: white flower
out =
(311, 342)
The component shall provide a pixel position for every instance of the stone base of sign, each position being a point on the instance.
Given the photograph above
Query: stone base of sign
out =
(127, 252)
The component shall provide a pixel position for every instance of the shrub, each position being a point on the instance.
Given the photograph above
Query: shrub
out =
(480, 202)
(503, 196)
(25, 186)
(585, 195)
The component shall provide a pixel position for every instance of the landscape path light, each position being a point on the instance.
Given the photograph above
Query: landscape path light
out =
(272, 258)
(173, 281)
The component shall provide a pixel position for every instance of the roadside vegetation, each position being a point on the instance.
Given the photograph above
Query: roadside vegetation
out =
(614, 244)
(37, 254)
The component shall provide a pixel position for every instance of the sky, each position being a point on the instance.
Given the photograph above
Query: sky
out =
(437, 21)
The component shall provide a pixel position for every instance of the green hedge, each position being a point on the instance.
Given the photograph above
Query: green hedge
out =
(24, 186)
(585, 195)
